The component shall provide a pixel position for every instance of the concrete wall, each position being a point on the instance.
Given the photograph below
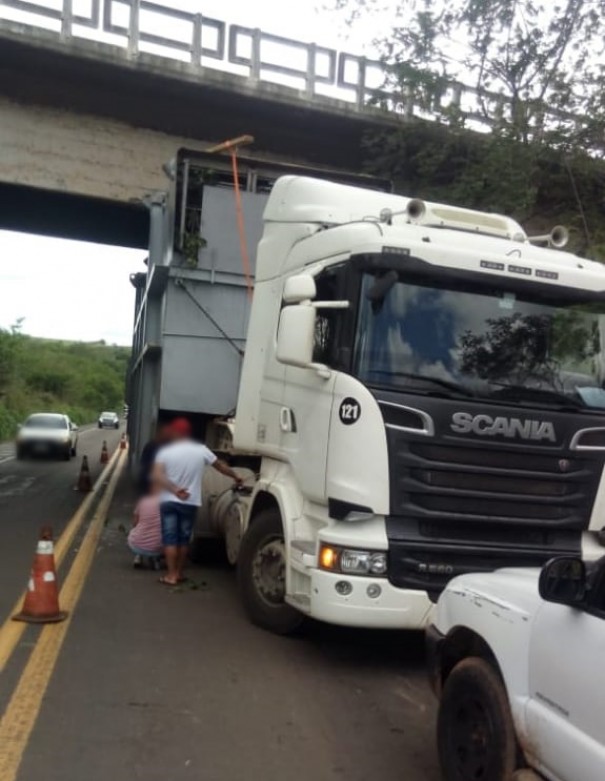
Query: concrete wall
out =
(83, 154)
(83, 117)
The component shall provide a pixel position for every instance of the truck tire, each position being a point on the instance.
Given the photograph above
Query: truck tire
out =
(475, 733)
(261, 575)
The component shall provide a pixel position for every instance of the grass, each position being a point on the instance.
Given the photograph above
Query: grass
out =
(80, 379)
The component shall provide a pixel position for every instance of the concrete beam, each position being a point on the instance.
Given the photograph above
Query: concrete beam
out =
(178, 99)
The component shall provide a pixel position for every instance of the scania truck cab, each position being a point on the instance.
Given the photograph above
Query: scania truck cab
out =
(423, 386)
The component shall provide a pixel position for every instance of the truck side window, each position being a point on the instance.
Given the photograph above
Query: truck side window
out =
(325, 323)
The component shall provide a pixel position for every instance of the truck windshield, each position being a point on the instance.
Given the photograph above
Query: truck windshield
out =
(480, 341)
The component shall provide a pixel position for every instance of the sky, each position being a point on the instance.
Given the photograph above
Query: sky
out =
(67, 289)
(76, 290)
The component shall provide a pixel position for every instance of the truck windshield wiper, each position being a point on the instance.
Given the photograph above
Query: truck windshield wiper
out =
(447, 384)
(519, 392)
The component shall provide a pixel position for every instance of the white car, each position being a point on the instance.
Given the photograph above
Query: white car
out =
(47, 434)
(515, 656)
(109, 420)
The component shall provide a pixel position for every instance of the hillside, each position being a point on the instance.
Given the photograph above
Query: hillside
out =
(78, 378)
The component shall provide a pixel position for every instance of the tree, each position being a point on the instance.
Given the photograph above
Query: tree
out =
(520, 348)
(536, 65)
(7, 359)
(537, 70)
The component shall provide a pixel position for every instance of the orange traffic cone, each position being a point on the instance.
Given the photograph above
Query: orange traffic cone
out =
(104, 454)
(123, 441)
(41, 603)
(84, 481)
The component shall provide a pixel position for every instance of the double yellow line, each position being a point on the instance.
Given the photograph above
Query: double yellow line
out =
(11, 631)
(22, 711)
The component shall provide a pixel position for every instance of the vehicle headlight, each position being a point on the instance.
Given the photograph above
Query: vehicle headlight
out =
(378, 563)
(350, 561)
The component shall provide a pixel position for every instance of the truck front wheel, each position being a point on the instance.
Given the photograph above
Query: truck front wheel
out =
(261, 575)
(475, 732)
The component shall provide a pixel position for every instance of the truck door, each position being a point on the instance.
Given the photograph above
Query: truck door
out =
(305, 423)
(307, 403)
(566, 710)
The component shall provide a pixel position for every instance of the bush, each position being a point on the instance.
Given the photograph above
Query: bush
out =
(77, 378)
(8, 423)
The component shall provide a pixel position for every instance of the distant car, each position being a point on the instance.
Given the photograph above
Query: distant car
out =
(109, 420)
(47, 434)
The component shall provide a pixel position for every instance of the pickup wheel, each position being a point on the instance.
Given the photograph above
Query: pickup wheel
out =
(475, 733)
(261, 575)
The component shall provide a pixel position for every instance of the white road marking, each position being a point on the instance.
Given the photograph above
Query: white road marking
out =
(11, 485)
(7, 452)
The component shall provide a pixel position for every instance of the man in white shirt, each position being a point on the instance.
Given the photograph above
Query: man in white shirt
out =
(178, 471)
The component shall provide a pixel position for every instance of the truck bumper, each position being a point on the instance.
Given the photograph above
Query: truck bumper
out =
(393, 608)
(434, 646)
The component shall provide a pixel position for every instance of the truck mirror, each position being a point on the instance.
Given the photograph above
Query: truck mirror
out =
(563, 580)
(296, 335)
(299, 288)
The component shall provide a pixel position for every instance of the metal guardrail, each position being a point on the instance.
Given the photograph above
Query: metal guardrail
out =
(210, 41)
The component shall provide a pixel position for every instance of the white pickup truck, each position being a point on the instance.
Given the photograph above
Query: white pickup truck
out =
(515, 657)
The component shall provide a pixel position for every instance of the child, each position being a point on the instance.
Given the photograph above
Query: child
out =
(145, 537)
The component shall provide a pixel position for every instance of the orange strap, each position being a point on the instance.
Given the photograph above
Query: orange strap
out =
(240, 224)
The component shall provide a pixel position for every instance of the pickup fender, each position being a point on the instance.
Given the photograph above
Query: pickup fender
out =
(469, 615)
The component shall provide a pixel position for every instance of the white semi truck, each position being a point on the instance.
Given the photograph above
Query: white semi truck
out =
(421, 395)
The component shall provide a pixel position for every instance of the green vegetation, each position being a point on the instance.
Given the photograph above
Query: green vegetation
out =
(540, 83)
(77, 378)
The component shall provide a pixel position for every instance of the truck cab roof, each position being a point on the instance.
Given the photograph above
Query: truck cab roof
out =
(341, 218)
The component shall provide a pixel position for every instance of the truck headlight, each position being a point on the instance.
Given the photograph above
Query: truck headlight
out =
(355, 562)
(350, 561)
(378, 563)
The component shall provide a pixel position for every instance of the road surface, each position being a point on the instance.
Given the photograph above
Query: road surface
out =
(169, 684)
(34, 493)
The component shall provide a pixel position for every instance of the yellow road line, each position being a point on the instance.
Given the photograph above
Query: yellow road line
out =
(20, 716)
(12, 631)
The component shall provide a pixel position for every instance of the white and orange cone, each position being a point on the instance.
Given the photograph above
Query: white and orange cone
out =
(84, 481)
(104, 454)
(123, 442)
(41, 603)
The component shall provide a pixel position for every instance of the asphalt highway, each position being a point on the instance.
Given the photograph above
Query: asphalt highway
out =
(35, 493)
(149, 682)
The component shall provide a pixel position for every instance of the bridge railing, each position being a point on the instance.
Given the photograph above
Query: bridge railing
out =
(146, 25)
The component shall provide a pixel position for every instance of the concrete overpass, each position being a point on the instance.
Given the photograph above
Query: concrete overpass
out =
(94, 121)
(93, 105)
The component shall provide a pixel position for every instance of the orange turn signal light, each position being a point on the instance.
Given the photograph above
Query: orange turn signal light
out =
(328, 557)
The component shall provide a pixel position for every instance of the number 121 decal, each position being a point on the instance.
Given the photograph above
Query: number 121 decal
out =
(350, 411)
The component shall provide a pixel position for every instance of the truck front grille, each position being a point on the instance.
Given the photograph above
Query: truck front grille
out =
(460, 508)
(466, 484)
